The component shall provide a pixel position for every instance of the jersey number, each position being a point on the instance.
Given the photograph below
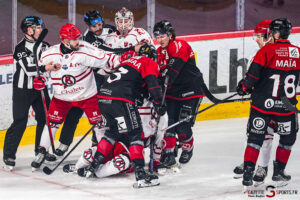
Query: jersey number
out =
(118, 74)
(288, 83)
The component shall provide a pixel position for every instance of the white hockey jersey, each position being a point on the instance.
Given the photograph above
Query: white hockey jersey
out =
(134, 37)
(75, 80)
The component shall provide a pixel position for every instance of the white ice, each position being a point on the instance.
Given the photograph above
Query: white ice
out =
(218, 149)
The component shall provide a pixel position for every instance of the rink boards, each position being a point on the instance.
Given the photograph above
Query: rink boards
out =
(221, 57)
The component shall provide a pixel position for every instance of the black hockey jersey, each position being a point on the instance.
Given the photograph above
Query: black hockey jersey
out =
(128, 80)
(274, 73)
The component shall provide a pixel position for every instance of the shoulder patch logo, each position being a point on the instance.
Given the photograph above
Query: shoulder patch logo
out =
(293, 52)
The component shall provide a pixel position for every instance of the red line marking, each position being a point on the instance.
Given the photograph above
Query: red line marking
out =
(55, 183)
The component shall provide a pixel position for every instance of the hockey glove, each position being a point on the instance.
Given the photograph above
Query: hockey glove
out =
(39, 83)
(160, 109)
(243, 89)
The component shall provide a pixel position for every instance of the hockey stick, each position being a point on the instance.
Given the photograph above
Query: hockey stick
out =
(35, 47)
(49, 171)
(156, 128)
(190, 116)
(289, 105)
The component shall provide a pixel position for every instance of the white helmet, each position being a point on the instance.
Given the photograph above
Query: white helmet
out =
(124, 21)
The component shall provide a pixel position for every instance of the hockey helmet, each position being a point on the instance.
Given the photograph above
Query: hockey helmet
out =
(92, 17)
(149, 51)
(163, 27)
(282, 26)
(262, 29)
(124, 26)
(31, 21)
(69, 31)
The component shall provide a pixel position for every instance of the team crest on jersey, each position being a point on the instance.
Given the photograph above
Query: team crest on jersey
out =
(293, 52)
(258, 123)
(119, 163)
(68, 80)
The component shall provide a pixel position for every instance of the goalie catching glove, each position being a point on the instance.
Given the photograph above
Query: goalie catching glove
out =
(39, 83)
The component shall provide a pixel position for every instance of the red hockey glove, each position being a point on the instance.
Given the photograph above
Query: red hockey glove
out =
(39, 83)
(242, 89)
(127, 55)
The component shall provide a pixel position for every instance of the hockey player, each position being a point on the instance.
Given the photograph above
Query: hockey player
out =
(184, 94)
(74, 84)
(24, 94)
(273, 75)
(127, 35)
(117, 97)
(96, 35)
(262, 36)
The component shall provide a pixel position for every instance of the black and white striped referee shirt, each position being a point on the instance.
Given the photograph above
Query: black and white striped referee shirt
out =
(24, 64)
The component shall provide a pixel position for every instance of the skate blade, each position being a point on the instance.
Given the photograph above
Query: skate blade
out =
(9, 168)
(143, 184)
(246, 189)
(172, 170)
(256, 184)
(279, 184)
(33, 169)
(238, 176)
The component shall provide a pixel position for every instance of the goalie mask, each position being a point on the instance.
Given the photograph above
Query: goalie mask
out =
(124, 21)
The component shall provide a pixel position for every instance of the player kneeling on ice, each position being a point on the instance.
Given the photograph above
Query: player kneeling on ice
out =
(117, 97)
(74, 84)
(118, 160)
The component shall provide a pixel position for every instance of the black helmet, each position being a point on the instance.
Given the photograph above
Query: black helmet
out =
(149, 51)
(281, 25)
(92, 17)
(163, 27)
(31, 21)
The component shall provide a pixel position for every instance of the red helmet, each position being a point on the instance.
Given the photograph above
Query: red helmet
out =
(263, 27)
(69, 31)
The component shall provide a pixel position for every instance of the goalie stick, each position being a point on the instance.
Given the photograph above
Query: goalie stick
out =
(35, 47)
(190, 116)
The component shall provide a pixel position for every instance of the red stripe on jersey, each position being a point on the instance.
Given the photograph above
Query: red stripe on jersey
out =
(55, 78)
(144, 107)
(153, 87)
(51, 55)
(185, 98)
(86, 75)
(89, 55)
(80, 74)
(252, 76)
(145, 113)
(173, 69)
(116, 98)
(272, 113)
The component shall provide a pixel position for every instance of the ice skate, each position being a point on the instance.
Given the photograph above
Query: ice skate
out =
(260, 175)
(61, 150)
(169, 165)
(185, 156)
(9, 163)
(238, 171)
(143, 179)
(39, 159)
(280, 178)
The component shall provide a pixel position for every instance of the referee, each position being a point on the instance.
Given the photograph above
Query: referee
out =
(24, 95)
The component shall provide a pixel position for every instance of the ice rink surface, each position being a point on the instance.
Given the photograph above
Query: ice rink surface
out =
(218, 149)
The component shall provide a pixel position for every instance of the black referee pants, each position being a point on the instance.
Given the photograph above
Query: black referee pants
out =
(22, 100)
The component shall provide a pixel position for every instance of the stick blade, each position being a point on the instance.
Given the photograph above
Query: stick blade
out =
(47, 170)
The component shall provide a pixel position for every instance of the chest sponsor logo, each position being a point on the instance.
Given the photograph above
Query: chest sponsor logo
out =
(293, 52)
(269, 103)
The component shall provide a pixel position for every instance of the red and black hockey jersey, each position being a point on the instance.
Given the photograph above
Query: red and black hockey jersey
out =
(274, 73)
(129, 79)
(184, 76)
